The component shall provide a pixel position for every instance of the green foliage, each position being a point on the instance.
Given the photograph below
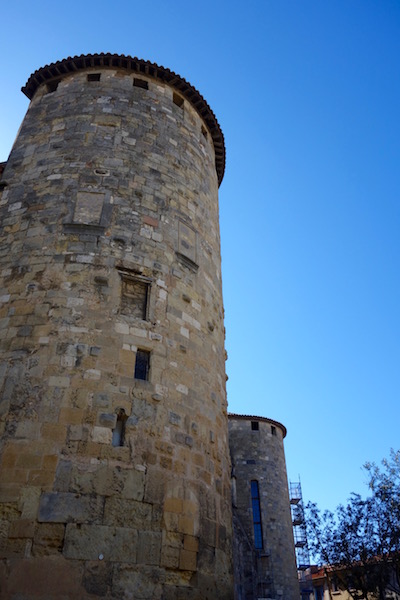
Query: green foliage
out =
(360, 542)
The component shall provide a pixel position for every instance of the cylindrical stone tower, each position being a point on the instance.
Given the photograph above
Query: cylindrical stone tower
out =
(264, 556)
(115, 469)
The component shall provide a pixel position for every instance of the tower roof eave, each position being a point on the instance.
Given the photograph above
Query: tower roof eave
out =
(61, 68)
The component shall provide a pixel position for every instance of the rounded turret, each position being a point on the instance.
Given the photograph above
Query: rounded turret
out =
(114, 456)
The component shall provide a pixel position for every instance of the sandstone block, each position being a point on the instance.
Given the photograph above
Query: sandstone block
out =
(170, 557)
(23, 528)
(89, 542)
(149, 547)
(187, 560)
(48, 539)
(102, 435)
(62, 507)
(120, 512)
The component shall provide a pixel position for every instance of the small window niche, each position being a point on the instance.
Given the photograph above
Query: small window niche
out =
(135, 294)
(142, 365)
(118, 434)
(93, 76)
(88, 208)
(273, 429)
(51, 86)
(140, 83)
(254, 426)
(178, 100)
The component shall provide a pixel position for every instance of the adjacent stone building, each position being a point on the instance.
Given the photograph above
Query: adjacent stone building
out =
(264, 557)
(115, 466)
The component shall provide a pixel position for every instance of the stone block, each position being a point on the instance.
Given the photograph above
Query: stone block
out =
(71, 416)
(40, 477)
(107, 420)
(120, 512)
(90, 542)
(186, 525)
(149, 547)
(170, 557)
(53, 431)
(138, 583)
(50, 577)
(64, 507)
(187, 560)
(97, 578)
(191, 543)
(23, 528)
(48, 539)
(102, 435)
(133, 484)
(174, 505)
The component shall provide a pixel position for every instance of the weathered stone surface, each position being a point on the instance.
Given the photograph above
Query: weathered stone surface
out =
(97, 542)
(48, 539)
(110, 252)
(139, 583)
(61, 507)
(38, 578)
(129, 513)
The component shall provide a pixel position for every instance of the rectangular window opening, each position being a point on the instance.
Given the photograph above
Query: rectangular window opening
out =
(178, 100)
(257, 525)
(273, 430)
(135, 292)
(52, 86)
(142, 365)
(141, 83)
(254, 426)
(93, 76)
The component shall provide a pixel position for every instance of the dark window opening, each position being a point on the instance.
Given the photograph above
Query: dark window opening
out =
(134, 296)
(178, 100)
(255, 502)
(118, 433)
(52, 86)
(273, 430)
(204, 131)
(254, 426)
(142, 365)
(93, 76)
(319, 593)
(141, 83)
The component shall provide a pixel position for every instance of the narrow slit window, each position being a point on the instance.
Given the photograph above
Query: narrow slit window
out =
(273, 430)
(254, 426)
(118, 433)
(140, 83)
(93, 76)
(142, 365)
(204, 131)
(255, 502)
(178, 100)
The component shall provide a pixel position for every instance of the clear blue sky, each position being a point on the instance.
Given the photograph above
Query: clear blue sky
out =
(308, 96)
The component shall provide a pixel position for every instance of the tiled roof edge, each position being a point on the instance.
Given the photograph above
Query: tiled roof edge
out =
(256, 418)
(136, 65)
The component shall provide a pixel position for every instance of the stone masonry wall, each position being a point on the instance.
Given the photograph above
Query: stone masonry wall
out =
(111, 201)
(258, 455)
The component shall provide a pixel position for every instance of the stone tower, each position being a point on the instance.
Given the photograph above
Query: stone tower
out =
(264, 557)
(115, 472)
